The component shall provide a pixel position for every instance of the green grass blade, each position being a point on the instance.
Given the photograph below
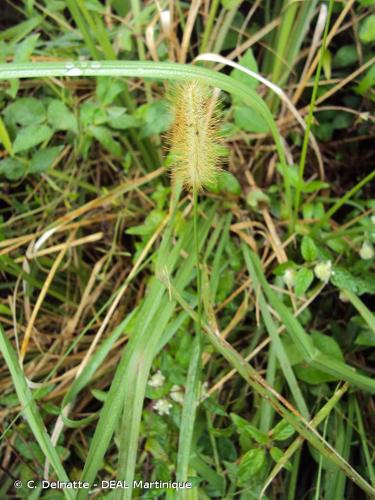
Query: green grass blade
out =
(366, 314)
(191, 399)
(142, 349)
(309, 120)
(283, 36)
(208, 28)
(294, 328)
(335, 481)
(297, 443)
(136, 9)
(341, 201)
(282, 357)
(134, 368)
(126, 385)
(188, 416)
(95, 361)
(98, 28)
(364, 441)
(16, 33)
(267, 412)
(30, 410)
(82, 27)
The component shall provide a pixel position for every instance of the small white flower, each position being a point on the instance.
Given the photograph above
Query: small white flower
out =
(177, 394)
(163, 406)
(367, 251)
(157, 380)
(288, 277)
(323, 271)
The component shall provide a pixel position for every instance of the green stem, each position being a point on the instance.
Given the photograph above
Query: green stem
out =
(292, 487)
(364, 441)
(82, 27)
(98, 28)
(191, 399)
(345, 198)
(208, 27)
(225, 28)
(199, 276)
(136, 8)
(284, 33)
(320, 467)
(310, 116)
(266, 410)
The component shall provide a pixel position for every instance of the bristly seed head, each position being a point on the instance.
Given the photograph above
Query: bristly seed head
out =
(195, 143)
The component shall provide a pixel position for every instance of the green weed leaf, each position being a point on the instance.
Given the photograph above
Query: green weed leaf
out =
(119, 119)
(248, 61)
(60, 117)
(31, 136)
(303, 280)
(243, 426)
(108, 89)
(26, 111)
(309, 250)
(282, 431)
(367, 30)
(250, 464)
(249, 120)
(43, 159)
(156, 117)
(12, 169)
(230, 4)
(342, 278)
(328, 346)
(104, 136)
(346, 56)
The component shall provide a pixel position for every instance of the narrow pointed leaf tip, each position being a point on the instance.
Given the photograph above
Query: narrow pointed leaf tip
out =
(194, 140)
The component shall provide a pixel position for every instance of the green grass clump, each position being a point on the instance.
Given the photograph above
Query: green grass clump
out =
(154, 331)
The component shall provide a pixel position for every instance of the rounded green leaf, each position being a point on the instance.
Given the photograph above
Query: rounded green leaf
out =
(367, 30)
(26, 111)
(43, 159)
(282, 431)
(60, 117)
(12, 169)
(31, 136)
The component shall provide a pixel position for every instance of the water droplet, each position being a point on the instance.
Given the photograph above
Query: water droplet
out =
(69, 65)
(84, 64)
(74, 71)
(95, 65)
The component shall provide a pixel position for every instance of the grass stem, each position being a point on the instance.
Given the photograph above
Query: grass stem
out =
(192, 392)
(310, 116)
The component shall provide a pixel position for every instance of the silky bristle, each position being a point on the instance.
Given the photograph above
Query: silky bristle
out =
(195, 143)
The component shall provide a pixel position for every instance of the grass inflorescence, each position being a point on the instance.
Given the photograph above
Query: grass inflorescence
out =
(194, 137)
(187, 235)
